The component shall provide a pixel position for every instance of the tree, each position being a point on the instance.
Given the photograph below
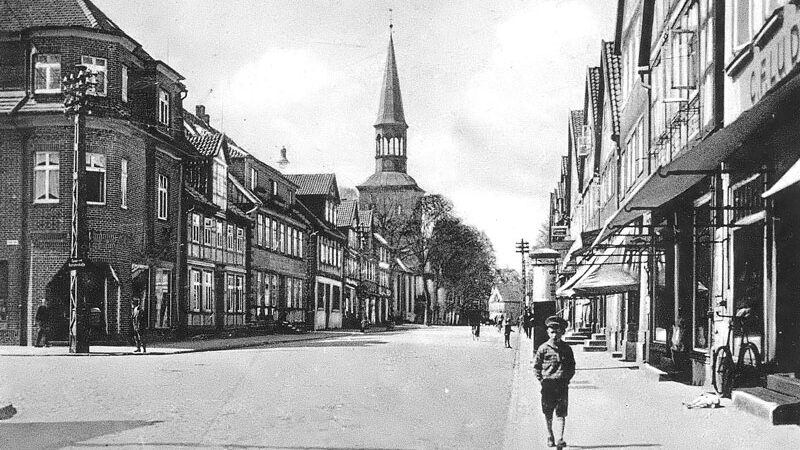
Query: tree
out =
(463, 260)
(407, 223)
(542, 235)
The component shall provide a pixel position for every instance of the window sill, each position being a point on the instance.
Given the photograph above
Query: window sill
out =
(739, 61)
(45, 202)
(95, 203)
(47, 92)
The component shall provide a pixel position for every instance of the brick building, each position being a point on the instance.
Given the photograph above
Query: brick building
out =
(135, 147)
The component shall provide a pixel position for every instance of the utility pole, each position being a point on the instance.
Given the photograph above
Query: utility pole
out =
(77, 86)
(522, 249)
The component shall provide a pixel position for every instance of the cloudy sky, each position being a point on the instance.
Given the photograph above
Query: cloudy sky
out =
(487, 86)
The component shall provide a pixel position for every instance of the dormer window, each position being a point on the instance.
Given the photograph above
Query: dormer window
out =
(220, 185)
(99, 68)
(330, 212)
(47, 74)
(163, 107)
(273, 187)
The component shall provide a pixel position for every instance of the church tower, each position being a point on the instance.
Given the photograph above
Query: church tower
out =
(390, 185)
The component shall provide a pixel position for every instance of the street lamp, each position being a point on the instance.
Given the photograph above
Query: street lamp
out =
(77, 86)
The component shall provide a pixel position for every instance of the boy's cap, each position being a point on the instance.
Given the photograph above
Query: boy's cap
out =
(555, 322)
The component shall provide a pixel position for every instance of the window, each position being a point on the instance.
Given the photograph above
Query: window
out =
(197, 290)
(98, 67)
(208, 290)
(220, 236)
(336, 298)
(123, 183)
(253, 178)
(321, 295)
(163, 196)
(208, 225)
(282, 238)
(95, 178)
(163, 107)
(45, 174)
(273, 187)
(124, 88)
(230, 242)
(240, 240)
(260, 231)
(195, 233)
(47, 74)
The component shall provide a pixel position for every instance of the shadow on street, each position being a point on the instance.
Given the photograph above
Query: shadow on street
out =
(47, 435)
(334, 343)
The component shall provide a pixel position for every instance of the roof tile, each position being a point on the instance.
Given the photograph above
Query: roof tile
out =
(611, 75)
(313, 183)
(345, 213)
(23, 14)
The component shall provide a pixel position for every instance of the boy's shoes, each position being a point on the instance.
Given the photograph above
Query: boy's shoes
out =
(551, 442)
(137, 350)
(561, 444)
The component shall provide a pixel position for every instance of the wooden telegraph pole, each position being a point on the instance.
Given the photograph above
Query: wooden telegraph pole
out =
(77, 86)
(522, 249)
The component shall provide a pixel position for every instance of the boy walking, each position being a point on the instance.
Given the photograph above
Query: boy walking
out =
(555, 366)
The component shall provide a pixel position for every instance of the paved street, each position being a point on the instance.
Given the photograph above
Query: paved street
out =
(416, 388)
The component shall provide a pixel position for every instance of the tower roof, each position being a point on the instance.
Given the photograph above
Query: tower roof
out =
(390, 111)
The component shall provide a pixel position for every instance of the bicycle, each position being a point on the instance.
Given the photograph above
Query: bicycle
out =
(725, 374)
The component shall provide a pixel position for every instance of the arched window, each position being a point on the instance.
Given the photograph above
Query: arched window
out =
(378, 144)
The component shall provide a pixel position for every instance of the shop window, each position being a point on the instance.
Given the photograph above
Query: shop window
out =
(703, 242)
(748, 273)
(320, 296)
(336, 300)
(163, 298)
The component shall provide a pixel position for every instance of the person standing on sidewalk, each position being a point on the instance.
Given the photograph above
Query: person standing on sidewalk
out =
(508, 328)
(43, 321)
(136, 318)
(555, 366)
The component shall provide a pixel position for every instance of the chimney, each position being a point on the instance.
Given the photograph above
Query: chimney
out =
(200, 112)
(283, 162)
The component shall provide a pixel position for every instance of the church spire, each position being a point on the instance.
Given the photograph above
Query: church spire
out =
(390, 111)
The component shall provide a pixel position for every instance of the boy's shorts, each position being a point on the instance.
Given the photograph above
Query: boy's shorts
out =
(555, 397)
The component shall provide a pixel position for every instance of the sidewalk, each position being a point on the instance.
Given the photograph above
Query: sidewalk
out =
(614, 404)
(191, 345)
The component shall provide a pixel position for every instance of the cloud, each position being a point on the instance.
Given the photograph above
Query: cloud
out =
(281, 77)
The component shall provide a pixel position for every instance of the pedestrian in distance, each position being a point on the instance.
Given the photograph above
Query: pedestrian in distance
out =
(476, 331)
(528, 322)
(555, 366)
(500, 324)
(43, 321)
(137, 313)
(508, 328)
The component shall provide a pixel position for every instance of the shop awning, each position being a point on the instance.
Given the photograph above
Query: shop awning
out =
(606, 280)
(590, 265)
(791, 177)
(664, 184)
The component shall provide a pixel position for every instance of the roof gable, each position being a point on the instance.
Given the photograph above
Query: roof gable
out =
(346, 213)
(315, 184)
(612, 86)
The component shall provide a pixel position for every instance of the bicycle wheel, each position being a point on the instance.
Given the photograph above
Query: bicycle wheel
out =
(722, 371)
(748, 365)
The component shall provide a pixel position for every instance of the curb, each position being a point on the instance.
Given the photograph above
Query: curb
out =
(311, 336)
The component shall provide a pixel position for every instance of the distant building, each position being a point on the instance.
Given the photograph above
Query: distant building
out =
(505, 300)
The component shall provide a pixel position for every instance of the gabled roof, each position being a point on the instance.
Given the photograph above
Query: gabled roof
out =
(365, 217)
(612, 82)
(576, 120)
(345, 213)
(18, 15)
(594, 85)
(247, 193)
(207, 144)
(390, 110)
(314, 183)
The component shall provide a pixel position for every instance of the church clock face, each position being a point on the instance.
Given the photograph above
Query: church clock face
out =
(388, 165)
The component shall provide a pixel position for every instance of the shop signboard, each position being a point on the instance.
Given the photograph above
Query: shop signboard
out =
(757, 68)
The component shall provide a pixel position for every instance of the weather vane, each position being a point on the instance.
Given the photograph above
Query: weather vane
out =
(390, 18)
